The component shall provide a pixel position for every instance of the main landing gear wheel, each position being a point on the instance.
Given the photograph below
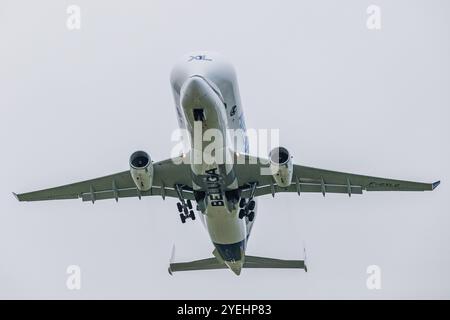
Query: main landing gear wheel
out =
(251, 205)
(248, 207)
(241, 214)
(184, 206)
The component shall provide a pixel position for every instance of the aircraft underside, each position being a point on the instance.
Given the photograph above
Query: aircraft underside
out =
(221, 190)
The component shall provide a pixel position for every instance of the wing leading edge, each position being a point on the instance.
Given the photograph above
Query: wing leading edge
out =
(167, 173)
(309, 179)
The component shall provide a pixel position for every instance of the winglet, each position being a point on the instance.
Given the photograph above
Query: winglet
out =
(172, 256)
(435, 184)
(172, 259)
(16, 196)
(304, 257)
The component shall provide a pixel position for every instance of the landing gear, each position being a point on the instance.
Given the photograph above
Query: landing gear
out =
(247, 207)
(200, 199)
(246, 213)
(233, 197)
(184, 207)
(185, 211)
(199, 115)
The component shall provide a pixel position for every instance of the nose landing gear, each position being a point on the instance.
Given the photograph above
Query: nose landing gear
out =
(199, 115)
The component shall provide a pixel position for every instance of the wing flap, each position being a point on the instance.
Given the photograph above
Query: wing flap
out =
(303, 187)
(133, 192)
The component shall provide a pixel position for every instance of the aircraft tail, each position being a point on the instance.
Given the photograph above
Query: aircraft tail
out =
(250, 262)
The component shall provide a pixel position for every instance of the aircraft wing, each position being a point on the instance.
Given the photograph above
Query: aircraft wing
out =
(308, 179)
(169, 172)
(120, 185)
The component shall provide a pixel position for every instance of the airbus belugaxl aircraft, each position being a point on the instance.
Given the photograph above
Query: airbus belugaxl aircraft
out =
(207, 97)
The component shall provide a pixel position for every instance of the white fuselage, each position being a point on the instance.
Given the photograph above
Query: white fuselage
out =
(207, 99)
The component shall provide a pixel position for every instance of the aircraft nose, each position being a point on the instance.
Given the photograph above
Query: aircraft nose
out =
(195, 87)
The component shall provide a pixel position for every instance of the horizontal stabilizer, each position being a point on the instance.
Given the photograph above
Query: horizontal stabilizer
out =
(250, 262)
(270, 263)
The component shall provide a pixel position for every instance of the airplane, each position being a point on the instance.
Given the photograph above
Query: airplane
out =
(206, 93)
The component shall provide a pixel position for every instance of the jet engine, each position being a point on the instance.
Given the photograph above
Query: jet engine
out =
(281, 166)
(141, 169)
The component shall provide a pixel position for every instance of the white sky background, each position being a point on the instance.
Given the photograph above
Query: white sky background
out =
(75, 105)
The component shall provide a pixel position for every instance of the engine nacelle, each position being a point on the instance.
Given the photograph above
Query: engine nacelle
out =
(281, 166)
(141, 169)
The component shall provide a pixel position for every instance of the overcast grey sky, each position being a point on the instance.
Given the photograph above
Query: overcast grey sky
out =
(75, 105)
